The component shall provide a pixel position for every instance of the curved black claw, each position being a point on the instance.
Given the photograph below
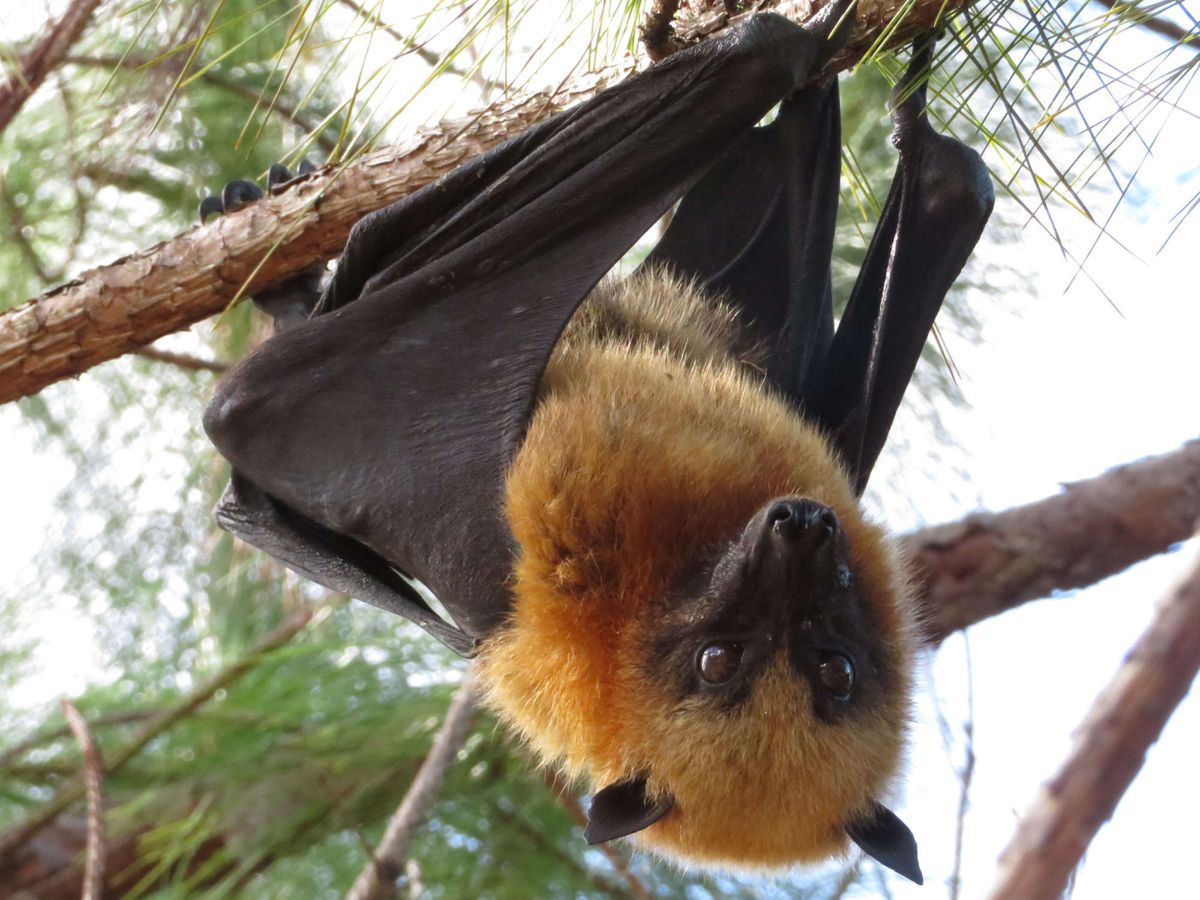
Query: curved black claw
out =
(210, 206)
(280, 175)
(239, 193)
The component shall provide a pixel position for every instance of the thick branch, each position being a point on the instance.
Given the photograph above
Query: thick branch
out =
(988, 563)
(40, 61)
(1109, 749)
(122, 306)
(378, 877)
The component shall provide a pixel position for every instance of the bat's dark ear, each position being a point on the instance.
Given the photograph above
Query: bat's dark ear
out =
(882, 835)
(622, 809)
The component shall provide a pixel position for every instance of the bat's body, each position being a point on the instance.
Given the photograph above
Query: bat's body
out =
(654, 442)
(644, 523)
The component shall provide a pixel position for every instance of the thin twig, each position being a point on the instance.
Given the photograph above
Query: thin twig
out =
(378, 877)
(158, 724)
(427, 56)
(1165, 27)
(183, 360)
(43, 57)
(38, 739)
(1108, 751)
(16, 230)
(248, 93)
(965, 776)
(93, 777)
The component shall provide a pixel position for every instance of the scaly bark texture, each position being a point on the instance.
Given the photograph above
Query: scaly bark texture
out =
(40, 61)
(985, 564)
(119, 307)
(1110, 747)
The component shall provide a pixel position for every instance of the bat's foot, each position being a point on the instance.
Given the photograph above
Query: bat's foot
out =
(293, 300)
(239, 193)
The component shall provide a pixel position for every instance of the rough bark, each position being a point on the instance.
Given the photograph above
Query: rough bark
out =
(119, 307)
(988, 563)
(54, 44)
(1109, 749)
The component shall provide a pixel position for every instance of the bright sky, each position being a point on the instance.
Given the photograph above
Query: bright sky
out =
(1061, 387)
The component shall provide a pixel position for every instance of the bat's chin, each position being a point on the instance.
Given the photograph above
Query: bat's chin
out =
(774, 786)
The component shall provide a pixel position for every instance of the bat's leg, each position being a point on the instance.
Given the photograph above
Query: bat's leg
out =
(939, 201)
(293, 300)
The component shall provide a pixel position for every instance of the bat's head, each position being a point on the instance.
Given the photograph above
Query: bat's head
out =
(775, 699)
(707, 627)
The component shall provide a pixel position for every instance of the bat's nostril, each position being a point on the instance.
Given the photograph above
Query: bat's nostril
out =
(792, 517)
(781, 511)
(827, 518)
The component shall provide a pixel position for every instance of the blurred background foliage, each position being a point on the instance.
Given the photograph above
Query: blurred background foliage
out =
(277, 782)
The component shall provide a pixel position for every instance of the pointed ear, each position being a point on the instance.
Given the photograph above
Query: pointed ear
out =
(622, 809)
(882, 835)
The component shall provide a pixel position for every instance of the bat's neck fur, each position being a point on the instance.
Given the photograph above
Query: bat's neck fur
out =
(654, 442)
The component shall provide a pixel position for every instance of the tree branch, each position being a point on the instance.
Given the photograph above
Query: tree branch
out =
(183, 360)
(248, 93)
(117, 308)
(93, 777)
(40, 61)
(378, 877)
(156, 725)
(1165, 27)
(989, 563)
(1110, 747)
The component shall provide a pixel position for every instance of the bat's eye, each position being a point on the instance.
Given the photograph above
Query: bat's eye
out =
(719, 661)
(837, 675)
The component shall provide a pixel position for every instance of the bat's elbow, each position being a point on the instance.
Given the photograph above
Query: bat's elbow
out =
(958, 186)
(227, 417)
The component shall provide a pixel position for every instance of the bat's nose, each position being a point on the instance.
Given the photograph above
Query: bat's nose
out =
(794, 519)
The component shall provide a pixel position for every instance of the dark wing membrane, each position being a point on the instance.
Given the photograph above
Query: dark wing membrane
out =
(759, 228)
(390, 419)
(935, 212)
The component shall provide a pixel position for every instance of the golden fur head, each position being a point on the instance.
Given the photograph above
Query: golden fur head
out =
(642, 470)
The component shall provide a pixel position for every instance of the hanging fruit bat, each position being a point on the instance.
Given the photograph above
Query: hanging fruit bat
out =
(638, 501)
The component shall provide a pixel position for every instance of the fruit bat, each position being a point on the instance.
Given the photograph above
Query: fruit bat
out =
(638, 499)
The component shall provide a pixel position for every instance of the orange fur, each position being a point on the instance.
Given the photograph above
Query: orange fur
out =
(652, 442)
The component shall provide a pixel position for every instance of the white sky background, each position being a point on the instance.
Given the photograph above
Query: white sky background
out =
(1060, 387)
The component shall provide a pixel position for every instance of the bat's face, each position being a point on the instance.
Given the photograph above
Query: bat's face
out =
(780, 690)
(705, 624)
